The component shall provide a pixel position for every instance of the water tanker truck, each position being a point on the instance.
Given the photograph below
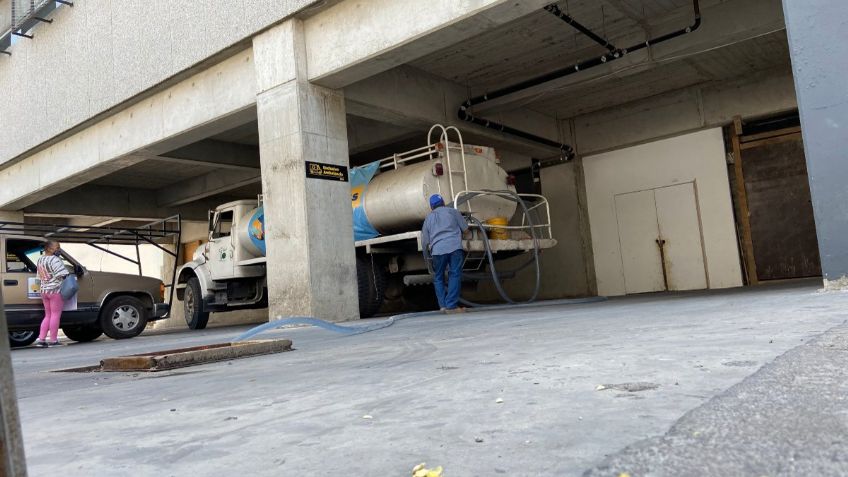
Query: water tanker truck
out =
(389, 200)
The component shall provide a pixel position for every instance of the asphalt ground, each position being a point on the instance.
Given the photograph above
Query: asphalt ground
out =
(548, 390)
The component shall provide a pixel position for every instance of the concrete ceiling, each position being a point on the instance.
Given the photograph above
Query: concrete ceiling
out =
(528, 47)
(153, 174)
(540, 43)
(740, 59)
(246, 134)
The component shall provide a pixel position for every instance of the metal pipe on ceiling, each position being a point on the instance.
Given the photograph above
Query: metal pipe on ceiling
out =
(567, 152)
(555, 10)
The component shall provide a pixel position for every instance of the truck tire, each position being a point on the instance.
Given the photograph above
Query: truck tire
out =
(82, 334)
(195, 317)
(371, 282)
(123, 317)
(19, 339)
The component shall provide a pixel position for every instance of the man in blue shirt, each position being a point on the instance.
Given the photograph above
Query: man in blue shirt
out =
(441, 236)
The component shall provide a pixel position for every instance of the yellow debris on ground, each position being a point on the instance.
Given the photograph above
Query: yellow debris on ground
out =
(421, 470)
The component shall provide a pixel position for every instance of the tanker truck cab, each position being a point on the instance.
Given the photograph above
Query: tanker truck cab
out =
(230, 256)
(390, 202)
(227, 273)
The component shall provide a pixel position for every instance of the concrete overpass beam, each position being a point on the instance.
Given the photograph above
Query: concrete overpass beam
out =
(107, 201)
(381, 34)
(205, 104)
(308, 221)
(207, 185)
(213, 153)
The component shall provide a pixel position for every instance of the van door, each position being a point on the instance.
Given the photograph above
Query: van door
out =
(18, 270)
(21, 258)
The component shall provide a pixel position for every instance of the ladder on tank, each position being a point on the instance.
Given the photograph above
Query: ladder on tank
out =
(433, 151)
(445, 143)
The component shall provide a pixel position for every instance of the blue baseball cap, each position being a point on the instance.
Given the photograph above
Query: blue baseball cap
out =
(436, 201)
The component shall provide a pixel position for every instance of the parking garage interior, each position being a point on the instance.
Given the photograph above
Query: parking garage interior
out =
(627, 121)
(667, 136)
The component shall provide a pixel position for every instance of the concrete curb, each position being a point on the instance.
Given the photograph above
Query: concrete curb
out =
(785, 419)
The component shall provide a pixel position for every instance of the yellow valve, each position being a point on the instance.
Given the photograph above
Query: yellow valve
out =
(498, 233)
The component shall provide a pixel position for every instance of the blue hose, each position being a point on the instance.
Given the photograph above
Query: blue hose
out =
(359, 329)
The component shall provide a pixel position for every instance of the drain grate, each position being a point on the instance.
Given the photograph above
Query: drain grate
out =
(183, 357)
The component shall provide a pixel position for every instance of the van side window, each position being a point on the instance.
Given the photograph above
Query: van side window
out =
(21, 255)
(224, 225)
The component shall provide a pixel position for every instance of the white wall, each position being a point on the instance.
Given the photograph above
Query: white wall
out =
(698, 157)
(105, 52)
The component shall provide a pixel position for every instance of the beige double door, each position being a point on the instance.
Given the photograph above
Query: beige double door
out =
(661, 240)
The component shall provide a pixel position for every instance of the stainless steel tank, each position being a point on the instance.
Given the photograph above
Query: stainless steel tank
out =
(397, 200)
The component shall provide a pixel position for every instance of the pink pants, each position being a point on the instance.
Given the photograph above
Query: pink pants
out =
(53, 305)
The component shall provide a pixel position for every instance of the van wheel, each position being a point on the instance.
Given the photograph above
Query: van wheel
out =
(19, 339)
(371, 282)
(195, 317)
(123, 317)
(82, 334)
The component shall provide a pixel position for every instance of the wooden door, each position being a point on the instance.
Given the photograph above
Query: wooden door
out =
(783, 231)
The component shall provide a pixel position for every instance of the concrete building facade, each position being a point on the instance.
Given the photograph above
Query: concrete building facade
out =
(138, 110)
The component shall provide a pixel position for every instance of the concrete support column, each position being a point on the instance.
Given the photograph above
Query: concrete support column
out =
(12, 461)
(819, 62)
(308, 222)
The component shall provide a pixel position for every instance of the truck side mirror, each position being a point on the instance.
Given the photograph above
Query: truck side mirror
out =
(79, 271)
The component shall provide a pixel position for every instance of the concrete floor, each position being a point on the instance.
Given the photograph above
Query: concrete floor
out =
(431, 384)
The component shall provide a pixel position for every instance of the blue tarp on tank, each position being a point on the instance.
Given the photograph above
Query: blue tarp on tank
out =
(359, 179)
(256, 229)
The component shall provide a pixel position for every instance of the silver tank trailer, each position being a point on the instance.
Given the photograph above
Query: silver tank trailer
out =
(398, 200)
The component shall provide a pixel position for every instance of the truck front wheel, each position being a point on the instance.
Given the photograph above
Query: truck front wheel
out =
(195, 317)
(371, 281)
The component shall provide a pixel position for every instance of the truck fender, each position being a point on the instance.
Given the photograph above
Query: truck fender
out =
(194, 269)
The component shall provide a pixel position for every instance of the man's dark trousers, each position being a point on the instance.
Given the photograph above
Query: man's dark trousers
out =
(452, 262)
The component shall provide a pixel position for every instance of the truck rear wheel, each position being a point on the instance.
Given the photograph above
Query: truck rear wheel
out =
(82, 334)
(371, 281)
(195, 317)
(123, 317)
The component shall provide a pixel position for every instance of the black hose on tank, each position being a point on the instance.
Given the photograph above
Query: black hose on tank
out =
(488, 246)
